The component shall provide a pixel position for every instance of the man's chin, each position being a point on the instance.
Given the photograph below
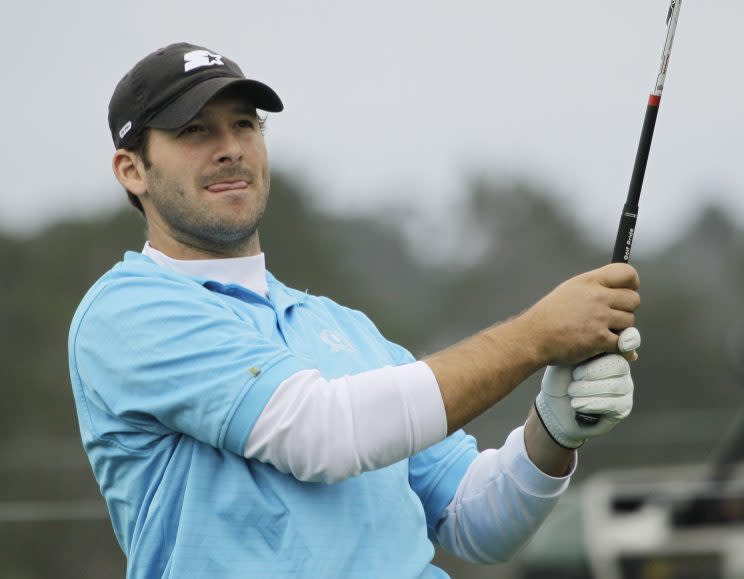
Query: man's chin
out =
(229, 239)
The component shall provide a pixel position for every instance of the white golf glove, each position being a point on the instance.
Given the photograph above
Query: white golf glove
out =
(601, 387)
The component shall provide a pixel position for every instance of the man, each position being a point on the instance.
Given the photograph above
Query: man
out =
(240, 428)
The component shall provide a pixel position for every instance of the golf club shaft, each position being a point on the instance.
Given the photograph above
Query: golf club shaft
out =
(624, 240)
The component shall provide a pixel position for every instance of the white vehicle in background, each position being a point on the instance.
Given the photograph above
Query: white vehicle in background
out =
(664, 523)
(644, 523)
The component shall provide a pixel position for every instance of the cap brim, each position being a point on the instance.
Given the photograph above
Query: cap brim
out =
(187, 105)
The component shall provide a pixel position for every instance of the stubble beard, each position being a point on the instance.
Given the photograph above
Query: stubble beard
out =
(195, 226)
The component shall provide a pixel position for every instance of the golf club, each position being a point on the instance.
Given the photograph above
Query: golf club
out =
(626, 229)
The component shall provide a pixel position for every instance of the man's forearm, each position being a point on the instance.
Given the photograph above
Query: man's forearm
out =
(477, 372)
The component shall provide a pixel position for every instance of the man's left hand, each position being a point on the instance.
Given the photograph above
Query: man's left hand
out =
(602, 387)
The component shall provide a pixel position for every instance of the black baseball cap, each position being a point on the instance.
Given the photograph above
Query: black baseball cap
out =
(167, 88)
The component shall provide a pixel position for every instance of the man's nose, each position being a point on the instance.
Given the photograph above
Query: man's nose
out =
(229, 150)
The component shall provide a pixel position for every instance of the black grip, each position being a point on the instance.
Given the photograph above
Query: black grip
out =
(625, 232)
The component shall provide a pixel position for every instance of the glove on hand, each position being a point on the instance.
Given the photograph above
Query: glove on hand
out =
(602, 386)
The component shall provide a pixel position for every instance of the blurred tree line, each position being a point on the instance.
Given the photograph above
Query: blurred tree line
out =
(516, 245)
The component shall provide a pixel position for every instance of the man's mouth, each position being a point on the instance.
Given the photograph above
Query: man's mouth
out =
(227, 186)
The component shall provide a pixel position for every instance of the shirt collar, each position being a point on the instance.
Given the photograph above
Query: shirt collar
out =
(249, 272)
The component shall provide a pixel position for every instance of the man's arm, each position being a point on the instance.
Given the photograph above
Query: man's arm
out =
(328, 430)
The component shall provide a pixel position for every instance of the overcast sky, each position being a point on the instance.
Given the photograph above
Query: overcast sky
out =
(392, 99)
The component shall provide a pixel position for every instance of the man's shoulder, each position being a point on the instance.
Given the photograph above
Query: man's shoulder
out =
(136, 277)
(136, 267)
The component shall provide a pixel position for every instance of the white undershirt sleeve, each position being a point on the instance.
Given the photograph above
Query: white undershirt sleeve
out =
(500, 503)
(329, 430)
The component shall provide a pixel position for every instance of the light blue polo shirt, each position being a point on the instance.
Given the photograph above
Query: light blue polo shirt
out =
(171, 372)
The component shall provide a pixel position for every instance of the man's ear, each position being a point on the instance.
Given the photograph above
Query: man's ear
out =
(129, 170)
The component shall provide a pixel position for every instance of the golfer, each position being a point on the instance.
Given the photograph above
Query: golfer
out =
(241, 428)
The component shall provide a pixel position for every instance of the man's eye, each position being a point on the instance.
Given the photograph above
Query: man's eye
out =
(245, 123)
(191, 130)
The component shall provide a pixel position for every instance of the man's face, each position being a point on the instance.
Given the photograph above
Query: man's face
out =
(208, 182)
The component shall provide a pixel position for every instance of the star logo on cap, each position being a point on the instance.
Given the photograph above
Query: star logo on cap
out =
(200, 58)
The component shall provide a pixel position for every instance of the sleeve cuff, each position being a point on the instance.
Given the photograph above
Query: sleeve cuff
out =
(261, 385)
(424, 399)
(524, 472)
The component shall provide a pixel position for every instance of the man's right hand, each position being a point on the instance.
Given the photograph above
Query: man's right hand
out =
(576, 321)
